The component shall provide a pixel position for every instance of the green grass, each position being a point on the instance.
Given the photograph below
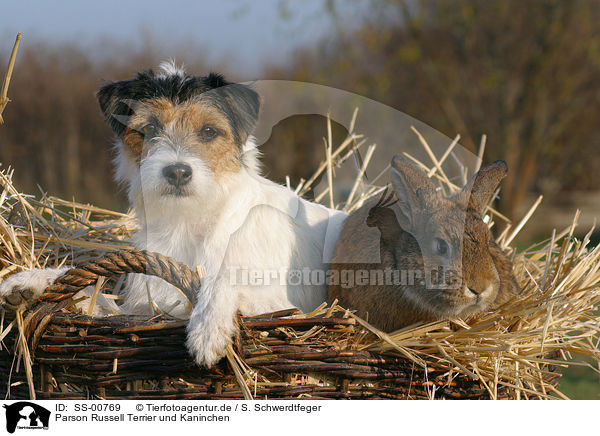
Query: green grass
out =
(580, 383)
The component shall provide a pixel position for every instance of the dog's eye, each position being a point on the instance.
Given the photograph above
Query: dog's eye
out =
(149, 130)
(440, 247)
(207, 133)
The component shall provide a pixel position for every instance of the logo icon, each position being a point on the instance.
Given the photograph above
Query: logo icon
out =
(26, 415)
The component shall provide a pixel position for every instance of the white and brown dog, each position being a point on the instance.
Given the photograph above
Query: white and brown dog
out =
(186, 157)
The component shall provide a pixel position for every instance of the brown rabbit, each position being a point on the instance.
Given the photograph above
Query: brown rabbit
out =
(424, 256)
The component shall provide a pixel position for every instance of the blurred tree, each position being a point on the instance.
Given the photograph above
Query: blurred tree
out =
(54, 135)
(296, 148)
(524, 73)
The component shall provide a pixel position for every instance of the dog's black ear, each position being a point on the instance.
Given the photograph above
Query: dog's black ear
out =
(215, 80)
(245, 103)
(241, 104)
(115, 102)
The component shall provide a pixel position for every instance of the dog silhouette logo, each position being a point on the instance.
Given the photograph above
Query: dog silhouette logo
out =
(26, 415)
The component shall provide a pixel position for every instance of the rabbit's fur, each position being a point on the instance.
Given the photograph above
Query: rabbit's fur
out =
(423, 230)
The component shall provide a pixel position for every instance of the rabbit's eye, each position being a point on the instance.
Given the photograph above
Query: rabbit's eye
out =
(440, 247)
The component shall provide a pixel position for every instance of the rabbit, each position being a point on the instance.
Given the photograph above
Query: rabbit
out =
(422, 231)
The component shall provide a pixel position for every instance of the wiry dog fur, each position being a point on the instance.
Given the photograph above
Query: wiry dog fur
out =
(224, 216)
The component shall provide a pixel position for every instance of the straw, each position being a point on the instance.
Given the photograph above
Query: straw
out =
(11, 64)
(515, 351)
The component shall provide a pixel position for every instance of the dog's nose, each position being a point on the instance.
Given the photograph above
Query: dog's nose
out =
(178, 174)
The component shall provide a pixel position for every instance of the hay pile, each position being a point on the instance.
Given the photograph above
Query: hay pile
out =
(513, 352)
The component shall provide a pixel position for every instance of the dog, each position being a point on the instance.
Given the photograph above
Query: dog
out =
(185, 155)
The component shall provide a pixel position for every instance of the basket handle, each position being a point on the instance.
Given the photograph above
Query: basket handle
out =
(124, 262)
(112, 264)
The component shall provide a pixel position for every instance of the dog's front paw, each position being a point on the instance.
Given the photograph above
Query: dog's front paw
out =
(17, 298)
(207, 346)
(22, 290)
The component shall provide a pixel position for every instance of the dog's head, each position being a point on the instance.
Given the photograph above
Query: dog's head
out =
(181, 137)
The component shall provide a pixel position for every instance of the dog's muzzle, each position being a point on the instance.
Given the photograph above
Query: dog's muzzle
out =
(178, 174)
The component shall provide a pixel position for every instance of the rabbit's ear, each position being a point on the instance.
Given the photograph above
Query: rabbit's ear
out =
(482, 185)
(413, 188)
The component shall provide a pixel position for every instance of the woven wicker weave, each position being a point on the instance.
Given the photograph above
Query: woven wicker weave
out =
(288, 355)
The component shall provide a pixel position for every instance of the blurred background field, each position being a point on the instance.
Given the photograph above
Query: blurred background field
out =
(526, 74)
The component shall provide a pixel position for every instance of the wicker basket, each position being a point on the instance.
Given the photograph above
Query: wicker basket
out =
(281, 355)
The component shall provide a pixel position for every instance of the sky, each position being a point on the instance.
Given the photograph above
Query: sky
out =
(242, 32)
